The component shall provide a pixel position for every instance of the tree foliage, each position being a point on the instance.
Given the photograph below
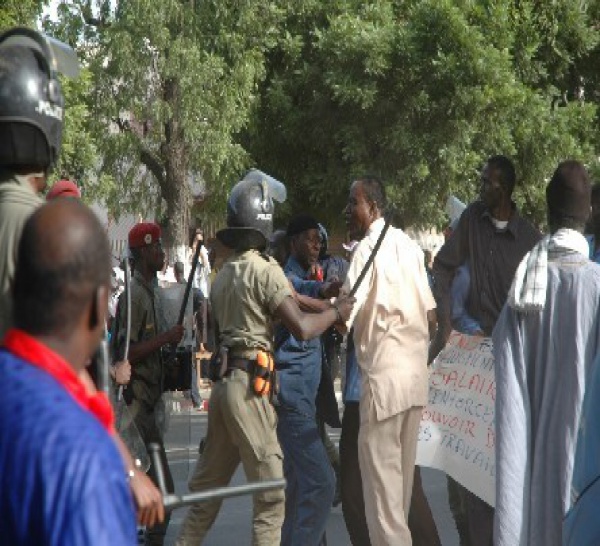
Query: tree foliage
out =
(172, 83)
(421, 93)
(316, 92)
(20, 12)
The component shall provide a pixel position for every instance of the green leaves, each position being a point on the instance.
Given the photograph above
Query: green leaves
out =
(317, 92)
(422, 93)
(20, 12)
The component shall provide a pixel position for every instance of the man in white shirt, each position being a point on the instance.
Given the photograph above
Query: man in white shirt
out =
(201, 282)
(391, 335)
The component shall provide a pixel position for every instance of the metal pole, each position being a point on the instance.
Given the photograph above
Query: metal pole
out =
(127, 318)
(154, 450)
(172, 502)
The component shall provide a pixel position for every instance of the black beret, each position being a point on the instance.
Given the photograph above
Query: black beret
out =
(301, 223)
(569, 192)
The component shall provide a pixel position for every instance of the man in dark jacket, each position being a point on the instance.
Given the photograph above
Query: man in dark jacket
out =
(493, 238)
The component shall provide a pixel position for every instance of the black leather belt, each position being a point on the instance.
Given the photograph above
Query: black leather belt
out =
(243, 364)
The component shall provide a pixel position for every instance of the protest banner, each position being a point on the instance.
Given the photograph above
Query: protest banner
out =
(457, 432)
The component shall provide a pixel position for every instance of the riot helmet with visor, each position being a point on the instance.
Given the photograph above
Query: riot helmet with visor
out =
(250, 210)
(31, 99)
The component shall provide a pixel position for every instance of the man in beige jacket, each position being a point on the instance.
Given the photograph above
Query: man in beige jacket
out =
(391, 335)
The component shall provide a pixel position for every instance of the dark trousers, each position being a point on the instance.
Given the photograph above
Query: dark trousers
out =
(202, 322)
(481, 521)
(420, 519)
(457, 499)
(353, 503)
(473, 517)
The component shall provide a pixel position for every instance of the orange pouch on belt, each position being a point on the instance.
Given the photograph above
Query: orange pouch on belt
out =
(264, 373)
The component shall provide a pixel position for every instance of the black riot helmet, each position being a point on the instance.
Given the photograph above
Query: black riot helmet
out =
(31, 100)
(250, 210)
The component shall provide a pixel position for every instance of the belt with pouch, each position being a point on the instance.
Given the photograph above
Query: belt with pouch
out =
(235, 363)
(263, 379)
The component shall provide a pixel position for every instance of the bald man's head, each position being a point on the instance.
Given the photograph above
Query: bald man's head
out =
(63, 259)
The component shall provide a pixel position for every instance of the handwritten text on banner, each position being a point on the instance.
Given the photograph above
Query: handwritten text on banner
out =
(457, 433)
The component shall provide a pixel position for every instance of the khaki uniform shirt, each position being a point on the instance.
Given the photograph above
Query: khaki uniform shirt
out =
(391, 334)
(244, 296)
(18, 200)
(147, 374)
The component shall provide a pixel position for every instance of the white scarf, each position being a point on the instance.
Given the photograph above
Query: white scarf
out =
(528, 290)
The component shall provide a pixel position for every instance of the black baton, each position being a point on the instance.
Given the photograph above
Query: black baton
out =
(365, 269)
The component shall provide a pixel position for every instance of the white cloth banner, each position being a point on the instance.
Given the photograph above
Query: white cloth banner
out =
(457, 431)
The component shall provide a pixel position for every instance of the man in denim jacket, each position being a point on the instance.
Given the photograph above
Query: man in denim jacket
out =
(309, 475)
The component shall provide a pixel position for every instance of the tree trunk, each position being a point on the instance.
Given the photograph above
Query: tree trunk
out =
(178, 200)
(176, 191)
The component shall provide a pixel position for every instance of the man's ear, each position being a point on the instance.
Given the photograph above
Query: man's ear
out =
(99, 307)
(374, 210)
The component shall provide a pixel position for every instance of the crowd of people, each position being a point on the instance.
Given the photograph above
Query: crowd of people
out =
(280, 306)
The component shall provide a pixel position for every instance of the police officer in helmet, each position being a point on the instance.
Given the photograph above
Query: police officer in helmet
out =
(31, 120)
(248, 295)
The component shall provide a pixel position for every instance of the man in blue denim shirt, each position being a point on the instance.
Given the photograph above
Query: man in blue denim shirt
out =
(459, 292)
(309, 475)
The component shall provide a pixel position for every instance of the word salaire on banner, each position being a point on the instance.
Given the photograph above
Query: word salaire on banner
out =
(457, 430)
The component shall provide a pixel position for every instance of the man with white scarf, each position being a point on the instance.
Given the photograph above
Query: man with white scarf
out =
(545, 342)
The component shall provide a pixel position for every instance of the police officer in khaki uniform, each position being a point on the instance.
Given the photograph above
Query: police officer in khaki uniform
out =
(145, 388)
(248, 294)
(31, 123)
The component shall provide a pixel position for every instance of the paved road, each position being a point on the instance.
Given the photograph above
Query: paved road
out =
(233, 525)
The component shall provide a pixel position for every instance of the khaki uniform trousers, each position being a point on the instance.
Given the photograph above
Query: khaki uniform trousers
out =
(241, 427)
(386, 451)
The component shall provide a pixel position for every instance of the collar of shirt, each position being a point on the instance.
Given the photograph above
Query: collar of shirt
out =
(18, 188)
(37, 354)
(513, 221)
(293, 266)
(149, 286)
(376, 226)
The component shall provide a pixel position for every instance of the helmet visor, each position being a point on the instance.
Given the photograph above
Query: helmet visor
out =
(273, 188)
(64, 58)
(61, 57)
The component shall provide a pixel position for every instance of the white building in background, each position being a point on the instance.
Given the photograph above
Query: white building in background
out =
(429, 239)
(117, 231)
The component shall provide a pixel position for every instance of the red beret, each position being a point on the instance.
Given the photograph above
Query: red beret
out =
(144, 234)
(63, 188)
